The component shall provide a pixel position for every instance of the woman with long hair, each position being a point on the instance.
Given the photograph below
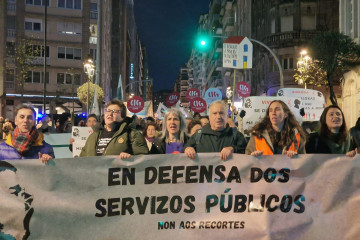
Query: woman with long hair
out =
(277, 133)
(333, 136)
(149, 133)
(173, 137)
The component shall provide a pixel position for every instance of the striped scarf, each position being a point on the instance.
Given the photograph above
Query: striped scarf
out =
(22, 142)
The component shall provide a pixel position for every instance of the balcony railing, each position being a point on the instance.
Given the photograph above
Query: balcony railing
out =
(10, 60)
(93, 40)
(9, 85)
(93, 15)
(39, 61)
(11, 32)
(289, 38)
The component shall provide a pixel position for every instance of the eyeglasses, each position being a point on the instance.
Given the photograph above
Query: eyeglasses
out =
(112, 111)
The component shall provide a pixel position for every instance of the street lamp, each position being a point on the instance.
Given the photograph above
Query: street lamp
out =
(89, 70)
(302, 67)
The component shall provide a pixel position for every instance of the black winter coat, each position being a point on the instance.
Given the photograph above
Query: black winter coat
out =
(214, 141)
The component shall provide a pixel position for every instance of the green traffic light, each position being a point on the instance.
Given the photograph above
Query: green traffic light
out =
(203, 42)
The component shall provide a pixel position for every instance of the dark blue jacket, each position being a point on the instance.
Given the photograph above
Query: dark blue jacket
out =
(7, 152)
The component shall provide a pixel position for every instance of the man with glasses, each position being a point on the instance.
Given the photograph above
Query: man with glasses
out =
(115, 137)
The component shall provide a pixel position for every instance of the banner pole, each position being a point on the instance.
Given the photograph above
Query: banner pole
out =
(234, 92)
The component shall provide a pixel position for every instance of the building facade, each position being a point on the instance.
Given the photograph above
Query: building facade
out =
(72, 37)
(285, 26)
(350, 25)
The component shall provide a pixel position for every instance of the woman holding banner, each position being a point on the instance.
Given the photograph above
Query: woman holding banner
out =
(277, 133)
(333, 137)
(173, 137)
(149, 134)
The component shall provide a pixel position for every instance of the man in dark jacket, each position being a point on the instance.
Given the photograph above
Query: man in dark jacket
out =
(26, 142)
(215, 136)
(115, 137)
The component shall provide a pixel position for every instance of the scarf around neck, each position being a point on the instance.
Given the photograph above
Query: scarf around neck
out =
(150, 139)
(22, 142)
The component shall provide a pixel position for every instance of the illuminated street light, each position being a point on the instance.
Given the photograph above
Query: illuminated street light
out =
(302, 67)
(89, 69)
(303, 52)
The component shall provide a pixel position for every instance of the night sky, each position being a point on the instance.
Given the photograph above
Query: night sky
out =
(168, 29)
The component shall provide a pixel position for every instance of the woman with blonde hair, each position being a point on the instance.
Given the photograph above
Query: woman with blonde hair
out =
(277, 133)
(173, 136)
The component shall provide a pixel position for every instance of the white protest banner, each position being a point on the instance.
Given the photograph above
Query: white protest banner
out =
(313, 197)
(60, 143)
(313, 101)
(80, 135)
(160, 112)
(256, 107)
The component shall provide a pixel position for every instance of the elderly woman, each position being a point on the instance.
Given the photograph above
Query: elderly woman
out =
(173, 137)
(277, 133)
(333, 136)
(26, 142)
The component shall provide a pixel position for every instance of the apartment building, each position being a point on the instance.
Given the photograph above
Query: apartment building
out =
(72, 37)
(350, 25)
(285, 26)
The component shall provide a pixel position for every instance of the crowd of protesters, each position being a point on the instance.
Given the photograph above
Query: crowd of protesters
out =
(116, 134)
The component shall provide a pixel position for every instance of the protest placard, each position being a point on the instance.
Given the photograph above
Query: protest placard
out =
(80, 135)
